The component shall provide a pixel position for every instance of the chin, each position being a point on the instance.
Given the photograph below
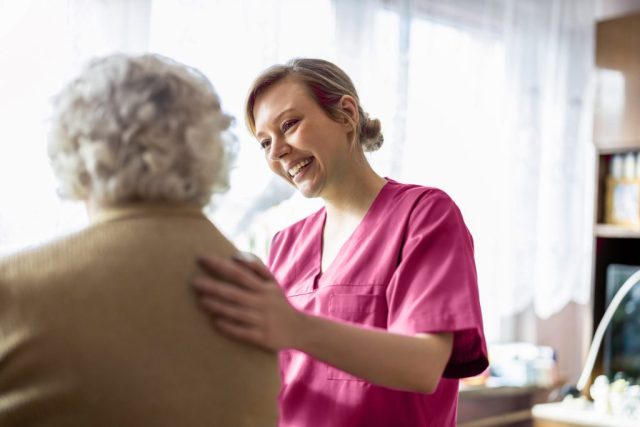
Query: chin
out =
(309, 191)
(308, 195)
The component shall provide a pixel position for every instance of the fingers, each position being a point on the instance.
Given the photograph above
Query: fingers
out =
(236, 322)
(213, 288)
(254, 264)
(230, 312)
(225, 300)
(241, 332)
(230, 271)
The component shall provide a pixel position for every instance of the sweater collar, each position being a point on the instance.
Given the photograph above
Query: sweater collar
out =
(115, 213)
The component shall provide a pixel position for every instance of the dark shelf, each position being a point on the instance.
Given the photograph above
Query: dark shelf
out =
(618, 148)
(616, 232)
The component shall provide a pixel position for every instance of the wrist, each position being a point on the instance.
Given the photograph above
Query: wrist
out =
(302, 329)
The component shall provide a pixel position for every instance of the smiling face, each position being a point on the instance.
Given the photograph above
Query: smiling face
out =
(302, 143)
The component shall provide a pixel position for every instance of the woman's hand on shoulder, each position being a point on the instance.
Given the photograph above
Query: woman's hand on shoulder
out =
(246, 302)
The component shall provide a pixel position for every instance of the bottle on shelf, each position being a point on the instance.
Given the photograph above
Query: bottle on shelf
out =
(616, 166)
(629, 168)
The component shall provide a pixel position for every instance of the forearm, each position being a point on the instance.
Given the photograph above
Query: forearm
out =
(412, 363)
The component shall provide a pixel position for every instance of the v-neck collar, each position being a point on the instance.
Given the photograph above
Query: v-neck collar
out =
(368, 218)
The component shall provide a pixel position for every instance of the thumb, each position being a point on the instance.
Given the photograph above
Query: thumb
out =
(254, 264)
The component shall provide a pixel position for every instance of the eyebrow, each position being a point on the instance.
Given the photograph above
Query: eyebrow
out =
(277, 118)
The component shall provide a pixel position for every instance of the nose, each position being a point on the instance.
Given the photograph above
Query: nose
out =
(279, 148)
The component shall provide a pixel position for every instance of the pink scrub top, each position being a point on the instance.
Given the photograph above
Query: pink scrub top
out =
(407, 268)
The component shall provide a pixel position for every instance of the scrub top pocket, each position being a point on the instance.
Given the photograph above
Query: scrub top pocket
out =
(358, 309)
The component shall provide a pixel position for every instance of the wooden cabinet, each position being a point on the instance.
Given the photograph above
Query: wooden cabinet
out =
(498, 406)
(547, 423)
(617, 107)
(563, 415)
(616, 131)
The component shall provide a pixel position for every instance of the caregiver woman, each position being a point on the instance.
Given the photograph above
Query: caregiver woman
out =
(373, 302)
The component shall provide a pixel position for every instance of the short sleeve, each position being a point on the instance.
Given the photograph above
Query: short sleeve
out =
(434, 288)
(273, 250)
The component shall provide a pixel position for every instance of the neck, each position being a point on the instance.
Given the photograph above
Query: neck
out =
(355, 192)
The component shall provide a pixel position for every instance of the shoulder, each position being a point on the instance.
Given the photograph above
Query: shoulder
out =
(426, 211)
(20, 273)
(39, 262)
(413, 198)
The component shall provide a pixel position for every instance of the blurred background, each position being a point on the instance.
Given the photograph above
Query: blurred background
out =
(490, 100)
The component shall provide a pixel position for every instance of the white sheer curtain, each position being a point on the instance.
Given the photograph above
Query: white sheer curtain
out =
(487, 99)
(497, 113)
(552, 158)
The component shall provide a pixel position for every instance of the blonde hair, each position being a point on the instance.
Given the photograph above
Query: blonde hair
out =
(140, 128)
(327, 83)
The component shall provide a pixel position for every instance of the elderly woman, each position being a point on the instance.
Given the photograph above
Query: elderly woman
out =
(98, 328)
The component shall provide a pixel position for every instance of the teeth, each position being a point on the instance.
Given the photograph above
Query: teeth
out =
(296, 169)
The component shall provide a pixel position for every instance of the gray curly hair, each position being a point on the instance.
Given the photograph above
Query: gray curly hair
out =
(140, 128)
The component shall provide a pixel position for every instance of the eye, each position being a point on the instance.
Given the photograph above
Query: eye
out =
(288, 125)
(265, 143)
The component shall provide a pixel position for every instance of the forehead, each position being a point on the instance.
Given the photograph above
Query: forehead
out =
(283, 95)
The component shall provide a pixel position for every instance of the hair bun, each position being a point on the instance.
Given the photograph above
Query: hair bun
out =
(371, 136)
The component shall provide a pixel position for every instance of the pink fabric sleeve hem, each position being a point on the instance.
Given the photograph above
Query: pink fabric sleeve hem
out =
(469, 354)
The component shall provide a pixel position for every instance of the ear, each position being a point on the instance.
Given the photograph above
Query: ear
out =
(349, 105)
